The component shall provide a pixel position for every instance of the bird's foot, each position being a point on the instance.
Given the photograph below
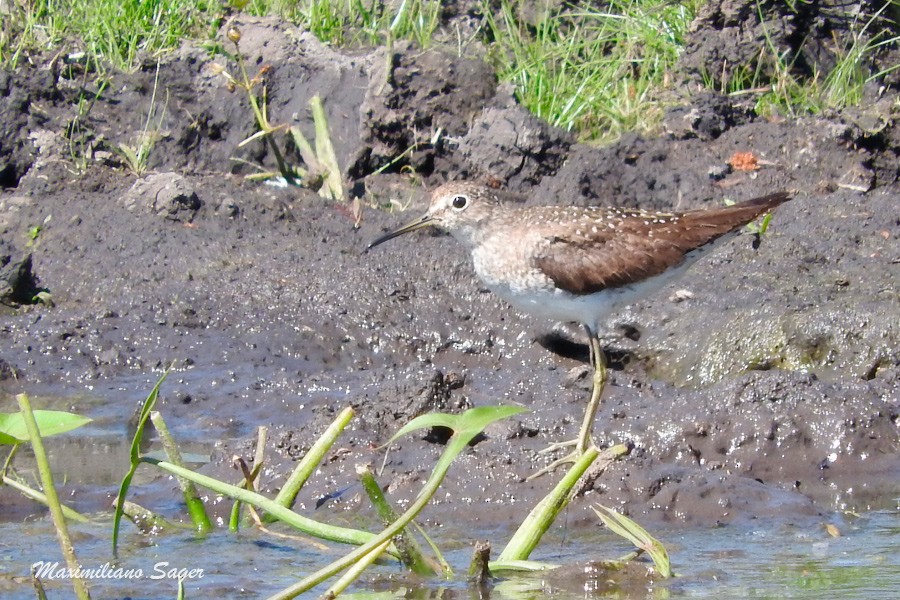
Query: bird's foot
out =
(580, 447)
(560, 445)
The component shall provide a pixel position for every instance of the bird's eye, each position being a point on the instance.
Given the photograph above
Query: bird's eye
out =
(459, 202)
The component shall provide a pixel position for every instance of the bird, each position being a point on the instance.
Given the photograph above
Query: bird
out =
(578, 263)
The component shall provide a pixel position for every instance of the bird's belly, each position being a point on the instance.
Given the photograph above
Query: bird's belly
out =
(589, 309)
(557, 305)
(530, 291)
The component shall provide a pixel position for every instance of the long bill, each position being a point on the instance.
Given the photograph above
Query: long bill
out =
(423, 221)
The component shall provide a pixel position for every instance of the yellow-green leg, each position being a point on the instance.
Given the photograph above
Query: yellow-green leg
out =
(598, 360)
(585, 435)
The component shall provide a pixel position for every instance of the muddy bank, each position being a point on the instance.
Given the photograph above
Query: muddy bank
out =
(762, 383)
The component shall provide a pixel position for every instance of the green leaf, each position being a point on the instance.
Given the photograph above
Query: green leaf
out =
(424, 422)
(638, 536)
(50, 422)
(468, 424)
(8, 440)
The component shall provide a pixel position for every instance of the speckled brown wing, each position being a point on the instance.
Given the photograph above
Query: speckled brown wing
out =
(640, 245)
(591, 263)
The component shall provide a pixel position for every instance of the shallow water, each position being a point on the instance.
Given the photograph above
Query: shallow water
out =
(763, 561)
(784, 558)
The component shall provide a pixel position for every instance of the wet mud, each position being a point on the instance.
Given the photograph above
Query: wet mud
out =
(763, 383)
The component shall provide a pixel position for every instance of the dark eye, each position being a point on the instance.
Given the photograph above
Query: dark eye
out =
(459, 202)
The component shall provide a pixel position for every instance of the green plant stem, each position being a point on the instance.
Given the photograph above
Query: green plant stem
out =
(9, 457)
(261, 118)
(311, 460)
(259, 456)
(327, 532)
(544, 513)
(59, 519)
(38, 586)
(356, 570)
(191, 498)
(479, 573)
(42, 498)
(146, 520)
(457, 444)
(410, 553)
(541, 517)
(249, 481)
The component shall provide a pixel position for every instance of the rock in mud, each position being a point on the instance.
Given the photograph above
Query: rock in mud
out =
(509, 144)
(167, 195)
(18, 283)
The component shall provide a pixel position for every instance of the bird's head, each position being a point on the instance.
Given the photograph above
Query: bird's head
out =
(459, 208)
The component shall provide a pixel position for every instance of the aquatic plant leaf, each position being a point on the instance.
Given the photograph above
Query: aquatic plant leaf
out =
(638, 536)
(426, 421)
(135, 456)
(467, 425)
(50, 422)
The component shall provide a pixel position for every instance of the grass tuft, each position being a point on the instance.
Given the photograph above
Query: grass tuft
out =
(783, 89)
(116, 31)
(596, 72)
(596, 69)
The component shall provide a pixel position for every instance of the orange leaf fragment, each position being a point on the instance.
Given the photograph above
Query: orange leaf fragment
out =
(744, 161)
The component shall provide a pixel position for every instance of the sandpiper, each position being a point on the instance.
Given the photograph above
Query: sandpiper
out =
(573, 263)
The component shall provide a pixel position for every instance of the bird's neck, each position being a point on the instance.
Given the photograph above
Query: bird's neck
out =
(475, 230)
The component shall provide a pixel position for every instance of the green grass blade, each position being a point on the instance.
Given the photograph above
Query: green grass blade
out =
(310, 462)
(134, 458)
